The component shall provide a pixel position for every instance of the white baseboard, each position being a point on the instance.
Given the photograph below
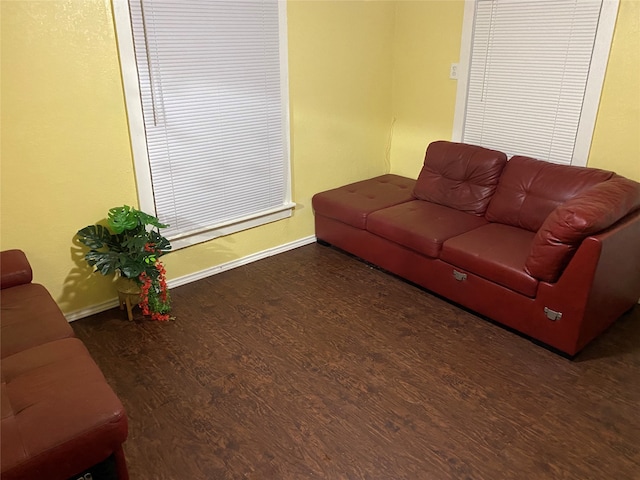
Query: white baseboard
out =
(86, 312)
(192, 277)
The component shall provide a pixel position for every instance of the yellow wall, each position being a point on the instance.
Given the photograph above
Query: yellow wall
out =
(65, 150)
(65, 143)
(616, 140)
(356, 69)
(340, 65)
(427, 41)
(339, 84)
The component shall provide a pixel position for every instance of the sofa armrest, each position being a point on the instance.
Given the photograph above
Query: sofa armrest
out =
(594, 210)
(600, 283)
(14, 269)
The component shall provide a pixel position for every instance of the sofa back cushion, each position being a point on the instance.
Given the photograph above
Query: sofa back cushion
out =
(529, 190)
(592, 211)
(459, 176)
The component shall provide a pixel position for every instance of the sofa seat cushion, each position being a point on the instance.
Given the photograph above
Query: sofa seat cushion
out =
(352, 203)
(495, 252)
(59, 416)
(30, 317)
(421, 226)
(529, 190)
(460, 176)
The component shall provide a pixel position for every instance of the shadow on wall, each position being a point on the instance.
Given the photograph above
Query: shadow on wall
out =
(83, 286)
(86, 291)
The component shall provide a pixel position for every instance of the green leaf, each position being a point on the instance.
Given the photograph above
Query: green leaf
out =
(125, 218)
(105, 263)
(159, 241)
(131, 271)
(122, 218)
(146, 219)
(95, 236)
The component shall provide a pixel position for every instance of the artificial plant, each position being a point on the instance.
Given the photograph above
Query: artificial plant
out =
(131, 246)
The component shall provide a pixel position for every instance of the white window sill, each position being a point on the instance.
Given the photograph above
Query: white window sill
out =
(204, 235)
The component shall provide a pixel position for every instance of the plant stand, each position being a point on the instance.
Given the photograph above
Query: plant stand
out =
(128, 295)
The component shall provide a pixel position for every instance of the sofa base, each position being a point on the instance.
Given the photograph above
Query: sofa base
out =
(584, 314)
(504, 326)
(108, 469)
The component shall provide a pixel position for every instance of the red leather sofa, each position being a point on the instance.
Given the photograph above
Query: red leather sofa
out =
(60, 418)
(552, 251)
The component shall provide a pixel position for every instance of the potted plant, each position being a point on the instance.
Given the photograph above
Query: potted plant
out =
(130, 247)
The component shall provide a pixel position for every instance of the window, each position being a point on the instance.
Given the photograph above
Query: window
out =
(532, 75)
(206, 92)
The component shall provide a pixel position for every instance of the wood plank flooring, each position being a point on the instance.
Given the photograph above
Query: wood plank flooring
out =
(313, 365)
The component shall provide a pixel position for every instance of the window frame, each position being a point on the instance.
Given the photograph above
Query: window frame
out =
(593, 90)
(142, 167)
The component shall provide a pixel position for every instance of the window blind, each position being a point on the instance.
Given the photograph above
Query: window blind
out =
(211, 91)
(529, 67)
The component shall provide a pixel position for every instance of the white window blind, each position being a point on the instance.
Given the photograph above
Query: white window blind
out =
(213, 97)
(530, 62)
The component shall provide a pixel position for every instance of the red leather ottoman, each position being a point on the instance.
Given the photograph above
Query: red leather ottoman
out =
(352, 203)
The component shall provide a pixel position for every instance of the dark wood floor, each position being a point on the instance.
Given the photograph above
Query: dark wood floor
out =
(312, 365)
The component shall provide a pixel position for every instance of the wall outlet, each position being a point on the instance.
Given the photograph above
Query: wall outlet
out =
(453, 71)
